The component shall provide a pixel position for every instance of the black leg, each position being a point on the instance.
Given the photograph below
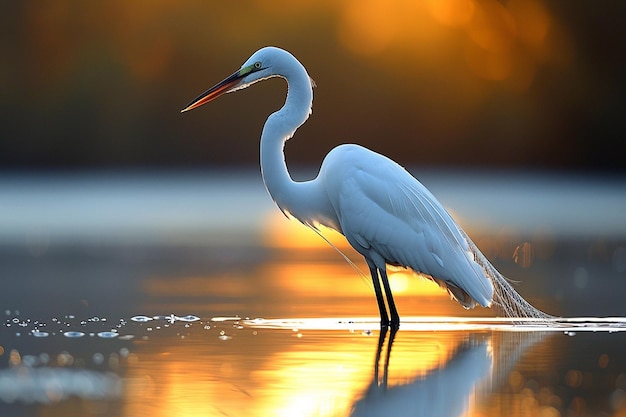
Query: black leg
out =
(384, 318)
(395, 317)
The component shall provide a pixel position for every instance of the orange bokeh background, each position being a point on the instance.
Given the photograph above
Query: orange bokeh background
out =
(477, 83)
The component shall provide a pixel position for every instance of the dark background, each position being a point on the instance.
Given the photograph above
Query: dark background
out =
(533, 84)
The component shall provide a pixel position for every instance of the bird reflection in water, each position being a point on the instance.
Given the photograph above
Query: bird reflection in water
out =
(479, 367)
(444, 391)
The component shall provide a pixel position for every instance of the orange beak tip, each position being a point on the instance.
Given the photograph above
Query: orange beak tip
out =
(214, 92)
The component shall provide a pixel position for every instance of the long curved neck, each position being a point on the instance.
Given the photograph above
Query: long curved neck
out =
(279, 127)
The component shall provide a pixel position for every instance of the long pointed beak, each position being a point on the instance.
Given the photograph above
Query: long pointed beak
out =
(214, 92)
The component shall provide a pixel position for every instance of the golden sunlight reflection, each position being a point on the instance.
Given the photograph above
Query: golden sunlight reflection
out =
(312, 375)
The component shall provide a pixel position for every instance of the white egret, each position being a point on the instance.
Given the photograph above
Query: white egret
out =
(386, 214)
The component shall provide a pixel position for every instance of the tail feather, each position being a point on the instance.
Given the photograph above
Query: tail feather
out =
(455, 293)
(506, 301)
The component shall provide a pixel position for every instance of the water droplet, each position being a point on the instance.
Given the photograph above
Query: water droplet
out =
(107, 335)
(97, 358)
(15, 358)
(38, 333)
(189, 318)
(65, 359)
(207, 327)
(29, 360)
(73, 334)
(523, 254)
(141, 319)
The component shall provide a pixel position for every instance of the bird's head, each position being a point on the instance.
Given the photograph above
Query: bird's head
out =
(261, 65)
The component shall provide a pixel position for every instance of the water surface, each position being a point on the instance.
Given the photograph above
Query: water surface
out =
(131, 297)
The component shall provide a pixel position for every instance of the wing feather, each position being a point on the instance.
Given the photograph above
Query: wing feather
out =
(390, 217)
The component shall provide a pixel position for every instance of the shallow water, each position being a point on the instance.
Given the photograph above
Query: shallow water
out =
(169, 320)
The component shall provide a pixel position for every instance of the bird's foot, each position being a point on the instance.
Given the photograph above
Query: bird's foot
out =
(393, 324)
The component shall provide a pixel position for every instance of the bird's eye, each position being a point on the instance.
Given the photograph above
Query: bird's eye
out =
(258, 65)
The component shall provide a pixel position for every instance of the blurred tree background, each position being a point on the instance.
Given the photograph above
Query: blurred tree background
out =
(451, 83)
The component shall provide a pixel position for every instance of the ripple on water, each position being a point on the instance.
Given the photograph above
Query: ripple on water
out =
(107, 335)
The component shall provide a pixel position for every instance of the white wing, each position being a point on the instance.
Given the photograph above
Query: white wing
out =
(390, 217)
